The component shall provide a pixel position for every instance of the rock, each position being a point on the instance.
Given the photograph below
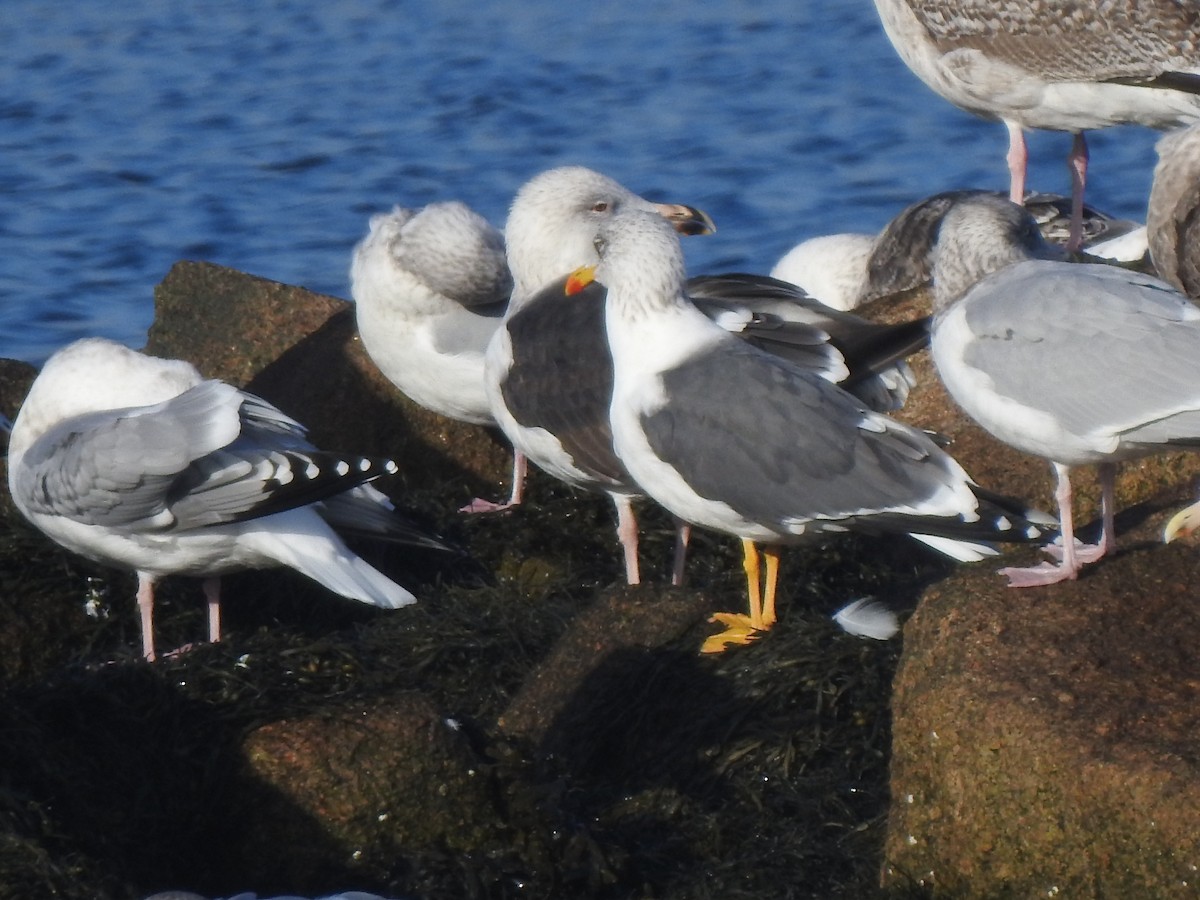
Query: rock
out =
(624, 761)
(301, 351)
(1044, 741)
(561, 696)
(358, 785)
(15, 379)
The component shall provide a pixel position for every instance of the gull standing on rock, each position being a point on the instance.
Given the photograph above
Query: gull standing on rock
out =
(549, 368)
(548, 372)
(1078, 364)
(731, 438)
(140, 463)
(1061, 65)
(430, 287)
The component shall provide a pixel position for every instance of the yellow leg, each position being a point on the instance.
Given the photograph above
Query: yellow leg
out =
(771, 554)
(739, 628)
(751, 566)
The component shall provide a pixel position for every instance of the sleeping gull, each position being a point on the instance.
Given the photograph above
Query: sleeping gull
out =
(1078, 364)
(851, 269)
(430, 287)
(830, 267)
(731, 438)
(141, 463)
(1062, 65)
(549, 370)
(1173, 211)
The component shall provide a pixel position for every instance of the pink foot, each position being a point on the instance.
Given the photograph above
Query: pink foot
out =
(1084, 553)
(179, 651)
(1038, 576)
(479, 505)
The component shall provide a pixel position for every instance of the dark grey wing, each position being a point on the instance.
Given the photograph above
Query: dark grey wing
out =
(785, 321)
(781, 446)
(561, 377)
(777, 444)
(773, 315)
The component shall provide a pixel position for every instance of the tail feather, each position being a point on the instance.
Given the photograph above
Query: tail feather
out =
(303, 540)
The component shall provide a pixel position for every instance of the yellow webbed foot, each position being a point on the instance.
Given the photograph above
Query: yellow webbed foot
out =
(739, 629)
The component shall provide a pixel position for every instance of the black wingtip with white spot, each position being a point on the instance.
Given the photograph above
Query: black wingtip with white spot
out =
(303, 477)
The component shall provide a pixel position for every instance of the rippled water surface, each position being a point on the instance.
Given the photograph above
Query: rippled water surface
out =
(262, 135)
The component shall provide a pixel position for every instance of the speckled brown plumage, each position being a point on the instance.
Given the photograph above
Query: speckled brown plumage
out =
(1173, 214)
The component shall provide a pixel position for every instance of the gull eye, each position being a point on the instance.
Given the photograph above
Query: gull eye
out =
(600, 206)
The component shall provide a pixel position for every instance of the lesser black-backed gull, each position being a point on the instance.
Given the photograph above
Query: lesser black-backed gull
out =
(549, 369)
(740, 441)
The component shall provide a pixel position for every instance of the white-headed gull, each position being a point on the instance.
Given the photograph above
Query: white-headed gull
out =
(549, 370)
(430, 287)
(141, 463)
(1077, 363)
(731, 438)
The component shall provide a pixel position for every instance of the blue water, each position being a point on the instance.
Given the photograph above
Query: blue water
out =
(262, 135)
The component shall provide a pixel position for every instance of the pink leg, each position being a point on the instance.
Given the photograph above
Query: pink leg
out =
(145, 602)
(212, 594)
(1078, 162)
(1068, 569)
(627, 534)
(683, 534)
(1090, 553)
(1018, 162)
(520, 468)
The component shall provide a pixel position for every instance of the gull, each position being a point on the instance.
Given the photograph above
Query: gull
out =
(142, 464)
(1061, 65)
(1173, 211)
(549, 371)
(430, 287)
(734, 439)
(851, 269)
(1077, 363)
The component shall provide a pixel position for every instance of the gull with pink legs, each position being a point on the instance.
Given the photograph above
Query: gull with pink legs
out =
(140, 463)
(1079, 364)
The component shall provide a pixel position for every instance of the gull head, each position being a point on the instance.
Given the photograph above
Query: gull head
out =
(555, 217)
(979, 235)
